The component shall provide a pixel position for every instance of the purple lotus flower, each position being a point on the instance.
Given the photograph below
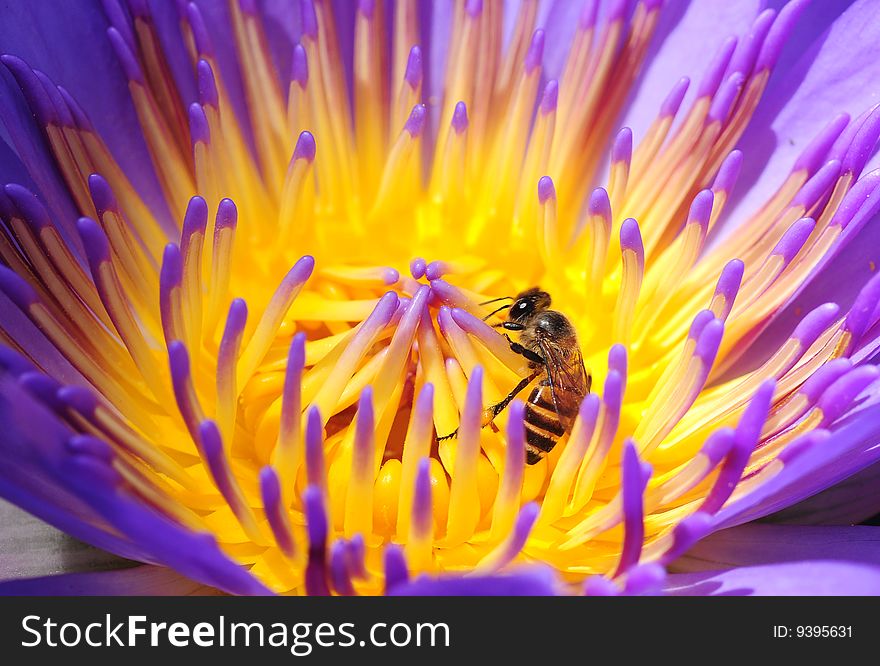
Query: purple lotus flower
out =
(259, 291)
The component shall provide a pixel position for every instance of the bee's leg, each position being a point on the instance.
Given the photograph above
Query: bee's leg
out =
(517, 348)
(492, 411)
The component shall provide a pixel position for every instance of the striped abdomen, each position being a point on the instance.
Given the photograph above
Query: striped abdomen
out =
(544, 426)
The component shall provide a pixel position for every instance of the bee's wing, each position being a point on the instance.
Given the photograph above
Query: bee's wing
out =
(569, 381)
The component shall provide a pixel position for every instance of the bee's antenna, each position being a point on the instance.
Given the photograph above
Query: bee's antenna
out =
(495, 300)
(503, 307)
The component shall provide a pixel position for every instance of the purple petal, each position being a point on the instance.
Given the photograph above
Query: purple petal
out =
(46, 36)
(536, 582)
(758, 544)
(804, 578)
(81, 494)
(851, 446)
(687, 38)
(833, 70)
(851, 501)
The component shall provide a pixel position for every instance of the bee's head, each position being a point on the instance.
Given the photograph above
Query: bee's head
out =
(528, 303)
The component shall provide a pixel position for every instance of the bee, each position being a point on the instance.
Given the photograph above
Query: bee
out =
(549, 343)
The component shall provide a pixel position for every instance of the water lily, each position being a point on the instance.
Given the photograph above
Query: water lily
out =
(248, 248)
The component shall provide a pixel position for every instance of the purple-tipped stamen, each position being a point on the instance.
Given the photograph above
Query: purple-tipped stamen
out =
(815, 323)
(422, 521)
(536, 52)
(357, 554)
(16, 289)
(195, 221)
(634, 479)
(339, 569)
(715, 73)
(90, 446)
(201, 36)
(631, 239)
(708, 343)
(728, 285)
(227, 216)
(685, 534)
(588, 15)
(363, 452)
(802, 444)
(516, 540)
(102, 195)
(860, 314)
(779, 34)
(817, 186)
(95, 243)
(616, 11)
(314, 435)
(415, 124)
(299, 66)
(550, 98)
(723, 102)
(184, 393)
(728, 172)
(617, 361)
(62, 115)
(452, 296)
(863, 144)
(126, 58)
(747, 50)
(414, 68)
(817, 383)
(198, 125)
(44, 388)
(230, 342)
(546, 190)
(745, 438)
(417, 268)
(717, 446)
(396, 569)
(436, 270)
(644, 580)
(119, 20)
(600, 586)
(473, 8)
(673, 100)
(170, 278)
(291, 396)
(621, 150)
(818, 149)
(460, 118)
(211, 444)
(701, 208)
(34, 93)
(207, 84)
(860, 203)
(793, 239)
(839, 397)
(317, 529)
(305, 147)
(366, 8)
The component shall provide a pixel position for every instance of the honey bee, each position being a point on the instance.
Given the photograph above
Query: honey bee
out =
(548, 341)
